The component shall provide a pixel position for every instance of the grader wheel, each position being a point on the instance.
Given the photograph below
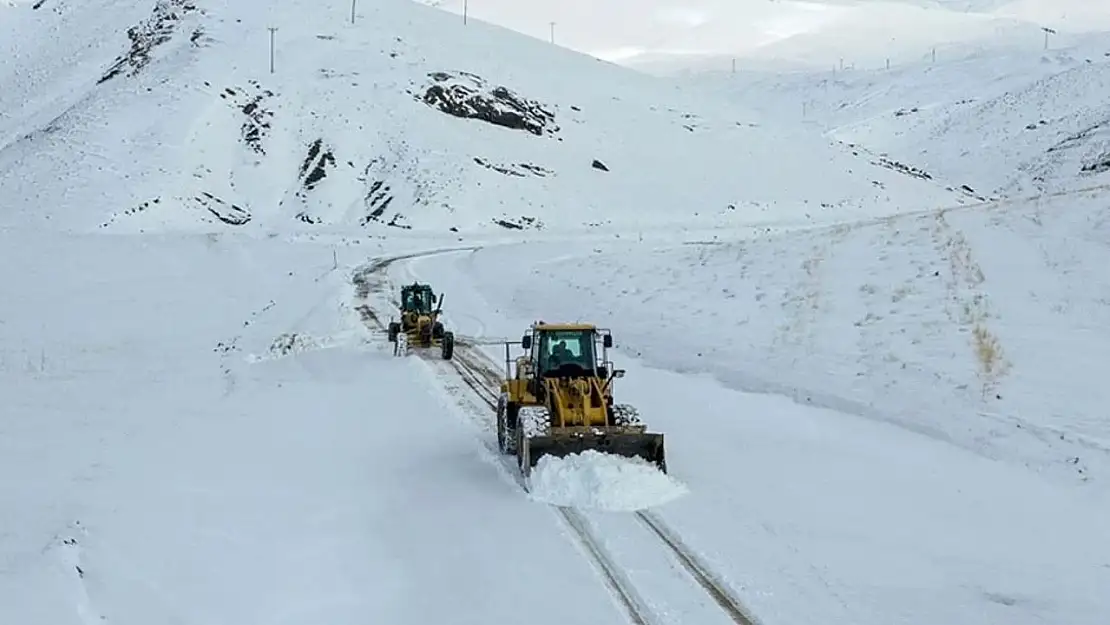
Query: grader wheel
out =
(447, 346)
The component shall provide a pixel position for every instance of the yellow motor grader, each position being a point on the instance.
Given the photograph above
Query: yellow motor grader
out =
(420, 324)
(559, 399)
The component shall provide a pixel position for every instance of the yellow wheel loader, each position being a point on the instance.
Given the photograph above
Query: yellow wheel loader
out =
(559, 400)
(420, 325)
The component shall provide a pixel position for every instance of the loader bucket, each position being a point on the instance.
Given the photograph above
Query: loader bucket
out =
(627, 444)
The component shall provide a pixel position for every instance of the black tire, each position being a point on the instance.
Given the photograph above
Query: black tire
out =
(437, 330)
(521, 462)
(448, 345)
(394, 330)
(506, 434)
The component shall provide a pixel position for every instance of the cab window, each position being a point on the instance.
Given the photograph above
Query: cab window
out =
(560, 347)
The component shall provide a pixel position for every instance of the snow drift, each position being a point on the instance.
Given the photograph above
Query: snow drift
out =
(597, 480)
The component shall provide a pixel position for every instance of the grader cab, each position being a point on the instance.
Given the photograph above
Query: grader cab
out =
(420, 325)
(559, 400)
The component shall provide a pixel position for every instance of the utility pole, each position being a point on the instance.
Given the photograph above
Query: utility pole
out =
(272, 30)
(1047, 31)
(353, 11)
(934, 55)
(466, 9)
(553, 33)
(733, 66)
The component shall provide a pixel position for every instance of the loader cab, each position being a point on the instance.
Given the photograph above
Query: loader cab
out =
(565, 351)
(417, 298)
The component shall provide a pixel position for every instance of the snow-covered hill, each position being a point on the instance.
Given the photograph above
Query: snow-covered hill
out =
(186, 128)
(666, 37)
(1005, 122)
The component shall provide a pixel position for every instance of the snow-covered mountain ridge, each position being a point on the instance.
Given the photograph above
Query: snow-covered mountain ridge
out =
(179, 125)
(1007, 123)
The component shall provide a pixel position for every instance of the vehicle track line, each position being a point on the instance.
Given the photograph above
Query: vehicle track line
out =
(697, 569)
(619, 584)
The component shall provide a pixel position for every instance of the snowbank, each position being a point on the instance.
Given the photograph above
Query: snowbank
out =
(598, 480)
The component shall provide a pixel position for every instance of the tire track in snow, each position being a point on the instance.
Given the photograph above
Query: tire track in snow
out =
(482, 380)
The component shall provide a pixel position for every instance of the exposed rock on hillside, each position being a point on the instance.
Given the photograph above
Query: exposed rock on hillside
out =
(230, 214)
(468, 96)
(145, 37)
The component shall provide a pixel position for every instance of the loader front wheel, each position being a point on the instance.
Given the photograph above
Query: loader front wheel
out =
(393, 331)
(523, 453)
(448, 345)
(625, 415)
(506, 422)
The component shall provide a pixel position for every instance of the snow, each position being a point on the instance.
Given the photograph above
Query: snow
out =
(882, 394)
(597, 480)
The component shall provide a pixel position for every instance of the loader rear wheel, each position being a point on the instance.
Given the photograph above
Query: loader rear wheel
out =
(523, 453)
(448, 346)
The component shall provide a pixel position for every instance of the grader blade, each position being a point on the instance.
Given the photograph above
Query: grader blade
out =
(628, 444)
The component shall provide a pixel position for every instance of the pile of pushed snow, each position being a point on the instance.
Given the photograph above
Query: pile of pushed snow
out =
(598, 480)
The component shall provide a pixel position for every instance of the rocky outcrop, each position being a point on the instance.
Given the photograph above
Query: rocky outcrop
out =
(151, 33)
(468, 96)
